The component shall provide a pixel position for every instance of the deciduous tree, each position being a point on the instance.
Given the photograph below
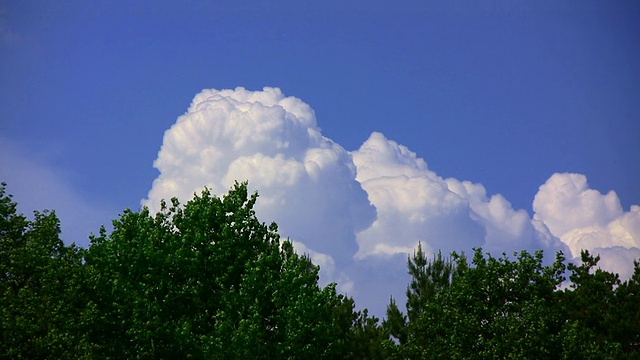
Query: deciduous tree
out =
(41, 287)
(209, 280)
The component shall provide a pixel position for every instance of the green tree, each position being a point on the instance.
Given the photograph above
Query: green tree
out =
(203, 280)
(429, 280)
(491, 308)
(41, 302)
(603, 313)
(503, 308)
(208, 280)
(624, 319)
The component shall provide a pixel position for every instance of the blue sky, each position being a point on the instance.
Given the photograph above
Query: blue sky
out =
(503, 94)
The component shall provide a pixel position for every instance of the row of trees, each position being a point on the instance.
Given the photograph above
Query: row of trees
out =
(208, 280)
(204, 280)
(497, 308)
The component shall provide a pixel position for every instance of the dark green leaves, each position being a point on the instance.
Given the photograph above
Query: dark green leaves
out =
(503, 308)
(204, 280)
(41, 288)
(208, 280)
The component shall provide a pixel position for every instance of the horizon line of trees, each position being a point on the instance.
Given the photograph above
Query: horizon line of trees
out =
(208, 280)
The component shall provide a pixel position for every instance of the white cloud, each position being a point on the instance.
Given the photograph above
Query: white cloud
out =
(359, 214)
(617, 259)
(412, 202)
(565, 202)
(36, 186)
(583, 218)
(328, 271)
(415, 204)
(306, 181)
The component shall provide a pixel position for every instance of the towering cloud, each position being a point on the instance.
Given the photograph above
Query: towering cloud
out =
(584, 218)
(306, 182)
(359, 213)
(415, 204)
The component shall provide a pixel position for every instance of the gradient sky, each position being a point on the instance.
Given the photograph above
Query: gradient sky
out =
(504, 94)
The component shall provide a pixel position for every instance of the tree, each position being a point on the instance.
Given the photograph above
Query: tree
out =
(203, 280)
(491, 308)
(624, 320)
(41, 298)
(209, 280)
(603, 313)
(503, 308)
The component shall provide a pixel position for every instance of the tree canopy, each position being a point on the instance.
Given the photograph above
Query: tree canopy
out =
(208, 280)
(204, 280)
(498, 308)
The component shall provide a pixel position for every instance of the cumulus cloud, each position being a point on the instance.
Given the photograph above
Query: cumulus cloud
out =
(359, 214)
(584, 218)
(328, 269)
(306, 181)
(413, 203)
(416, 205)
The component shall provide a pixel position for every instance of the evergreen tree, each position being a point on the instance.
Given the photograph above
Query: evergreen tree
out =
(502, 308)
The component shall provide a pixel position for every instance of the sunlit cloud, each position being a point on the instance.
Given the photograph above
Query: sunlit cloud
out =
(584, 218)
(360, 213)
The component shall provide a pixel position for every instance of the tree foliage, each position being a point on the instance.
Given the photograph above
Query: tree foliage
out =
(207, 280)
(41, 287)
(203, 280)
(502, 308)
